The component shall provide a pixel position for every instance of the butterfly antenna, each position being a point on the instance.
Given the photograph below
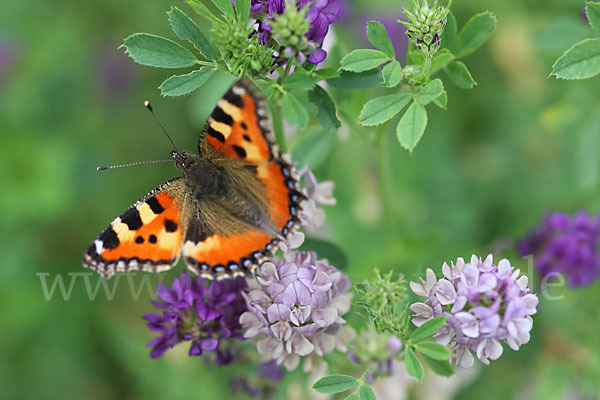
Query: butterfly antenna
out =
(149, 107)
(101, 168)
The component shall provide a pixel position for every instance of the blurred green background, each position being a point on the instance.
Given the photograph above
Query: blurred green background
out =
(516, 145)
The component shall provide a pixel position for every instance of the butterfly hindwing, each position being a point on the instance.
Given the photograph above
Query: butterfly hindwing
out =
(240, 128)
(147, 236)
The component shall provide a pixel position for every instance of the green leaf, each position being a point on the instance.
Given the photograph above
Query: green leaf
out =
(379, 38)
(187, 29)
(449, 33)
(242, 9)
(365, 392)
(428, 329)
(326, 115)
(157, 51)
(413, 364)
(430, 91)
(178, 85)
(440, 367)
(459, 75)
(474, 34)
(354, 81)
(581, 61)
(323, 248)
(440, 59)
(442, 100)
(300, 80)
(363, 60)
(294, 111)
(412, 125)
(380, 109)
(334, 383)
(392, 74)
(328, 73)
(225, 7)
(352, 396)
(203, 11)
(433, 350)
(592, 11)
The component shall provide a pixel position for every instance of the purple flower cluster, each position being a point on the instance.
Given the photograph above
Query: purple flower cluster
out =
(298, 304)
(563, 244)
(321, 13)
(193, 311)
(483, 304)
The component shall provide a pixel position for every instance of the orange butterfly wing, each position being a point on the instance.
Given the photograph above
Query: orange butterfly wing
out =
(240, 128)
(147, 236)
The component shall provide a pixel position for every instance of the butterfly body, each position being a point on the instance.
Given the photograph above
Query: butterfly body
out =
(235, 203)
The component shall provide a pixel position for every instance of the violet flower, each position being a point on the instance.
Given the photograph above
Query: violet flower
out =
(321, 14)
(296, 307)
(483, 304)
(568, 245)
(207, 316)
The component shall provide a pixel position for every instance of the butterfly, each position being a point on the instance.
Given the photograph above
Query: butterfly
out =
(237, 201)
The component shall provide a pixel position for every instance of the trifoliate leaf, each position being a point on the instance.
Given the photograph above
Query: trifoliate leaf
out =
(440, 367)
(433, 350)
(581, 61)
(294, 111)
(379, 38)
(185, 28)
(592, 11)
(225, 7)
(242, 9)
(326, 114)
(430, 91)
(474, 34)
(392, 74)
(363, 60)
(157, 51)
(365, 392)
(178, 85)
(428, 329)
(203, 11)
(412, 125)
(440, 59)
(413, 364)
(380, 109)
(459, 74)
(442, 100)
(300, 80)
(334, 383)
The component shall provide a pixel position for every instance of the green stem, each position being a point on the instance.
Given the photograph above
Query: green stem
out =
(427, 65)
(208, 64)
(277, 117)
(288, 68)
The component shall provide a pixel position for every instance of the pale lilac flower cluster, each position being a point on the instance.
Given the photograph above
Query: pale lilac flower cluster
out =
(483, 304)
(311, 215)
(297, 305)
(318, 194)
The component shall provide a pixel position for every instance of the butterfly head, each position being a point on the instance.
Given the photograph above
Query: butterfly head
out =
(202, 176)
